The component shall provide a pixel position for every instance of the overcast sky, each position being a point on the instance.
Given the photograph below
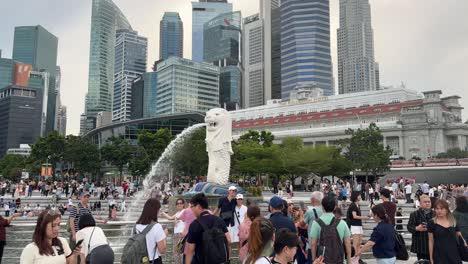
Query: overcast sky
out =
(423, 43)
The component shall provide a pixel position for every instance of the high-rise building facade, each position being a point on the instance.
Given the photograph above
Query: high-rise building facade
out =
(38, 47)
(357, 69)
(171, 36)
(270, 14)
(20, 116)
(253, 58)
(62, 120)
(203, 12)
(130, 63)
(305, 45)
(106, 18)
(186, 86)
(222, 47)
(6, 72)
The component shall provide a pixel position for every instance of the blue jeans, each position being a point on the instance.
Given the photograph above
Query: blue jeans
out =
(386, 261)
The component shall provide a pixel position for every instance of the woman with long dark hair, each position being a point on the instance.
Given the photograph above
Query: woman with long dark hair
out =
(253, 213)
(260, 242)
(461, 215)
(354, 219)
(47, 247)
(156, 237)
(443, 236)
(382, 240)
(95, 247)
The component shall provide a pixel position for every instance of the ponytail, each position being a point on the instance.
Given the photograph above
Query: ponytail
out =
(261, 232)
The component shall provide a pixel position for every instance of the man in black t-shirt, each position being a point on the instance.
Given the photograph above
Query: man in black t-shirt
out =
(226, 207)
(199, 206)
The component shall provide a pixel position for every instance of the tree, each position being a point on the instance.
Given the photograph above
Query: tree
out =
(366, 152)
(264, 138)
(11, 166)
(83, 155)
(118, 152)
(49, 149)
(140, 163)
(155, 143)
(454, 153)
(191, 158)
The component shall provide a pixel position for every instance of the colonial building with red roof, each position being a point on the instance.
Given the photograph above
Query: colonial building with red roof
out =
(413, 124)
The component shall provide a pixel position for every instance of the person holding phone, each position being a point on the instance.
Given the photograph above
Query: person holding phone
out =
(417, 226)
(47, 247)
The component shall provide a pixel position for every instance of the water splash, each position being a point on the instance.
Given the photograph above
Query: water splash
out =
(160, 170)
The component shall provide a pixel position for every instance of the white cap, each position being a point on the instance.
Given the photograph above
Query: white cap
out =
(232, 188)
(240, 196)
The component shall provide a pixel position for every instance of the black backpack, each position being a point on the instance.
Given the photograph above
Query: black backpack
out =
(330, 239)
(214, 246)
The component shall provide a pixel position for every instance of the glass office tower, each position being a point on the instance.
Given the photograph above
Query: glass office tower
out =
(305, 45)
(106, 18)
(203, 12)
(171, 36)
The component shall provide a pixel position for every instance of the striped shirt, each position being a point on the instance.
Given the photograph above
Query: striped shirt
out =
(419, 240)
(77, 212)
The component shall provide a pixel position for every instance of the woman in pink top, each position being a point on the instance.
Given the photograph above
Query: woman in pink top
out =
(187, 217)
(253, 212)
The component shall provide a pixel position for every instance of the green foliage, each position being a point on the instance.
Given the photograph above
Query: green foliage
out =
(454, 153)
(254, 191)
(366, 152)
(140, 163)
(11, 166)
(117, 151)
(83, 155)
(49, 149)
(191, 158)
(155, 143)
(264, 138)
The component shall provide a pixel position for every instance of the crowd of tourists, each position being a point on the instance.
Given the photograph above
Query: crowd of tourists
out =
(290, 232)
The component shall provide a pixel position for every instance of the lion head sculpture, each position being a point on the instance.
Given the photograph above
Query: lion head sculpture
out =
(218, 130)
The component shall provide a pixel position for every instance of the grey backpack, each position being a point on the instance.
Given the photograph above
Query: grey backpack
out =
(135, 251)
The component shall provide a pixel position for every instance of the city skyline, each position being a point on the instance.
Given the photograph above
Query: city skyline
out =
(425, 54)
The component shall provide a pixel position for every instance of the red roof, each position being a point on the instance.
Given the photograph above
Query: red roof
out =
(335, 114)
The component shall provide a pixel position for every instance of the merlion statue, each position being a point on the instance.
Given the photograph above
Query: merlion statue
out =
(218, 145)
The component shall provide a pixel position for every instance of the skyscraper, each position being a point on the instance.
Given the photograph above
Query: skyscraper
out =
(253, 58)
(270, 14)
(171, 36)
(20, 116)
(305, 45)
(130, 62)
(186, 86)
(105, 20)
(36, 46)
(357, 70)
(222, 47)
(203, 12)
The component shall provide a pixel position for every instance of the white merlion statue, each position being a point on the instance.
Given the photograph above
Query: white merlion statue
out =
(218, 145)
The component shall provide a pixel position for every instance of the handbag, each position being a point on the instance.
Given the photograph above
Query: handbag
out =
(181, 245)
(226, 216)
(88, 256)
(462, 249)
(400, 247)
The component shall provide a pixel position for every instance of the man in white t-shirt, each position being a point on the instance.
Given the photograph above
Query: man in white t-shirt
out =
(408, 192)
(240, 211)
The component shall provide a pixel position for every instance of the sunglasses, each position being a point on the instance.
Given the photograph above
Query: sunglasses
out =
(180, 203)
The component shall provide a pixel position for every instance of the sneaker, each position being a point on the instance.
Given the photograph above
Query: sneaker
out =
(362, 261)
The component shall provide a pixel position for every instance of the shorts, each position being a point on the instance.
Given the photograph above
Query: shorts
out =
(356, 230)
(386, 261)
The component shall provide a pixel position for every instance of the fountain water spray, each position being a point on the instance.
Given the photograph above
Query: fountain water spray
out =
(160, 168)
